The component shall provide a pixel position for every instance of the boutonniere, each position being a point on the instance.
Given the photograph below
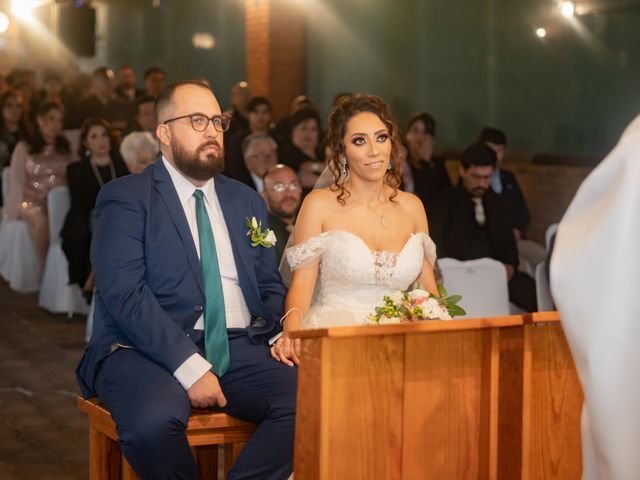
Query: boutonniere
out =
(267, 238)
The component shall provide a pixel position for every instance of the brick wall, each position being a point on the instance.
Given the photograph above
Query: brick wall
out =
(548, 190)
(276, 51)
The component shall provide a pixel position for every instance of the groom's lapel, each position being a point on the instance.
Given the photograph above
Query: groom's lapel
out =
(167, 191)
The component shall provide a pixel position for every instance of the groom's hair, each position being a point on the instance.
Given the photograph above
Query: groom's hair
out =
(166, 96)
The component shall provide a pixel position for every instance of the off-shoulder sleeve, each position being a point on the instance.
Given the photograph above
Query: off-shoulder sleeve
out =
(429, 248)
(305, 253)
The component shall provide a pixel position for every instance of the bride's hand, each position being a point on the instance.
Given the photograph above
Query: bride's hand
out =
(287, 350)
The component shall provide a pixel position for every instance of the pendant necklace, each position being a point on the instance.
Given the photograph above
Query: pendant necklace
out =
(99, 178)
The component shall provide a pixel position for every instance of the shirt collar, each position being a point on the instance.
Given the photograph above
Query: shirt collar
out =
(185, 188)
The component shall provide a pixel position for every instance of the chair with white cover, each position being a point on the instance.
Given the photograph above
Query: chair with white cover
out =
(56, 295)
(482, 284)
(543, 290)
(19, 262)
(550, 232)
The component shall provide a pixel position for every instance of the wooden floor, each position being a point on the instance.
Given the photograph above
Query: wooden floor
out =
(42, 435)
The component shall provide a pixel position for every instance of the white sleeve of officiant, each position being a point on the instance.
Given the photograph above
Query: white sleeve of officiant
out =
(595, 279)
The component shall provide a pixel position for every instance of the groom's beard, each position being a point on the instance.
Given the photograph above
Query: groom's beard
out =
(199, 165)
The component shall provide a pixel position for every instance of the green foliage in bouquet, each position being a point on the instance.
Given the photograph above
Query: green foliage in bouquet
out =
(416, 305)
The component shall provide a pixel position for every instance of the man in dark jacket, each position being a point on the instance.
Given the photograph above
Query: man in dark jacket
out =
(471, 221)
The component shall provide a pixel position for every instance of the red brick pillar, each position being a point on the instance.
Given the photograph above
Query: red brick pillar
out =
(276, 48)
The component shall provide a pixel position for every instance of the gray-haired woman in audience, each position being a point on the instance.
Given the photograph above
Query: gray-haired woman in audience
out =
(139, 149)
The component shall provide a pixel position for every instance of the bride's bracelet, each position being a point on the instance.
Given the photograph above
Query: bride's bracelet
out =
(292, 309)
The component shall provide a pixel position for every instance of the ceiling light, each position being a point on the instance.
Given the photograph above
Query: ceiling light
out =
(567, 9)
(541, 32)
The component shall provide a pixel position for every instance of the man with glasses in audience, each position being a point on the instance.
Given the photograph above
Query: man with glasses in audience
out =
(185, 304)
(283, 194)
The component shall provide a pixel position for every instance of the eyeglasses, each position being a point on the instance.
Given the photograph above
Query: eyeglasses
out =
(280, 187)
(200, 122)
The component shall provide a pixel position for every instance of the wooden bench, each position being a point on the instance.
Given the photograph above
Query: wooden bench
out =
(205, 431)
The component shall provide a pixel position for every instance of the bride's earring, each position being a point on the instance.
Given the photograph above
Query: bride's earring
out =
(344, 164)
(389, 166)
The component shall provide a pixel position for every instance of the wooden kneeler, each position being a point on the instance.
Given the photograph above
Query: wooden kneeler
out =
(205, 431)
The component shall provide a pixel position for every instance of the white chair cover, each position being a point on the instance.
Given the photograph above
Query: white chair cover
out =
(482, 284)
(56, 295)
(19, 263)
(551, 229)
(543, 291)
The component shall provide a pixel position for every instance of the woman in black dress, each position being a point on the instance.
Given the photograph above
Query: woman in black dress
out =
(428, 171)
(99, 164)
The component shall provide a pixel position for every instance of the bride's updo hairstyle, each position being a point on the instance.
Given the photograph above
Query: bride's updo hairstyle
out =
(347, 107)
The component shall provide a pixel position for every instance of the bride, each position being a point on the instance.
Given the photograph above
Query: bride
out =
(360, 238)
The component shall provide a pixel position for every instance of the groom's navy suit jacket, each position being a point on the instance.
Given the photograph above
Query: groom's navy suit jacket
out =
(149, 286)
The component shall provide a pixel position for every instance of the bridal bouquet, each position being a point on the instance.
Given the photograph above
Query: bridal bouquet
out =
(416, 305)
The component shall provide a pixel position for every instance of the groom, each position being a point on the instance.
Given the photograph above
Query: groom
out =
(184, 304)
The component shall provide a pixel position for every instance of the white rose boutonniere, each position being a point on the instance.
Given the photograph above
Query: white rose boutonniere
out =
(266, 239)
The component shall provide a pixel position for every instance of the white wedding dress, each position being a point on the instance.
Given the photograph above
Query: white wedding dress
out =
(352, 279)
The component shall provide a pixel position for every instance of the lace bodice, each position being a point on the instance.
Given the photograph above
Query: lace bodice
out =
(353, 279)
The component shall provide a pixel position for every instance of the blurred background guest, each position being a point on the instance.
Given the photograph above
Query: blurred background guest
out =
(238, 99)
(260, 154)
(99, 164)
(103, 103)
(13, 127)
(283, 127)
(155, 79)
(126, 84)
(51, 91)
(144, 119)
(38, 164)
(283, 194)
(305, 153)
(428, 171)
(139, 149)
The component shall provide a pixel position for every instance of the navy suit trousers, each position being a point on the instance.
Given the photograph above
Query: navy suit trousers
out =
(151, 410)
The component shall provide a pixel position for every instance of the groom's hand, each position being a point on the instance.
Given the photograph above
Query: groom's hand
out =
(206, 392)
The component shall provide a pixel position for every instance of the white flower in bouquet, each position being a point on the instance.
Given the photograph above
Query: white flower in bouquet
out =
(398, 297)
(384, 320)
(418, 293)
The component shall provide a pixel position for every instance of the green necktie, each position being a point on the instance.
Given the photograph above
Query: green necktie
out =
(216, 342)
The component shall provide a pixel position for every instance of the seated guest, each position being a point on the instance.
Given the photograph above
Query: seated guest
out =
(259, 115)
(260, 154)
(13, 127)
(145, 116)
(471, 221)
(504, 182)
(126, 84)
(155, 80)
(38, 164)
(283, 194)
(52, 91)
(305, 154)
(238, 98)
(283, 128)
(99, 164)
(103, 103)
(428, 171)
(138, 150)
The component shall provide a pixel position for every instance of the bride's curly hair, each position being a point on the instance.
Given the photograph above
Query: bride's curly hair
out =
(346, 107)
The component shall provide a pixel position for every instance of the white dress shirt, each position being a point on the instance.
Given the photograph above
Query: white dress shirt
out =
(258, 181)
(236, 310)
